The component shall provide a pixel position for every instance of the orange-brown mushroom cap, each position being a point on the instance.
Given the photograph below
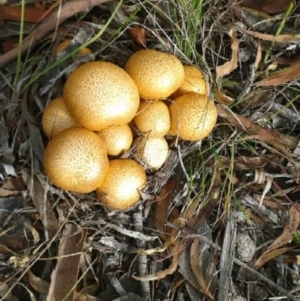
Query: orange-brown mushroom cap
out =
(194, 81)
(157, 74)
(153, 118)
(100, 94)
(76, 160)
(193, 116)
(57, 118)
(117, 138)
(122, 183)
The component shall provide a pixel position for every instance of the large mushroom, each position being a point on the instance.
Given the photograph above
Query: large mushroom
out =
(76, 160)
(100, 94)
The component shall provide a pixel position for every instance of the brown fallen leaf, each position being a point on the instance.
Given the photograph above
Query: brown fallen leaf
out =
(64, 277)
(281, 38)
(290, 73)
(274, 249)
(43, 207)
(258, 132)
(162, 207)
(227, 68)
(267, 6)
(138, 36)
(292, 259)
(13, 13)
(37, 283)
(197, 271)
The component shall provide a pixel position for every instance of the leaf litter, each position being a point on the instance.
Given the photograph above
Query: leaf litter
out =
(180, 241)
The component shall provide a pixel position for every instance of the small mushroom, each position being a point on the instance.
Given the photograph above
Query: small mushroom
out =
(76, 160)
(61, 46)
(100, 94)
(151, 151)
(57, 118)
(153, 118)
(121, 185)
(157, 74)
(194, 81)
(117, 138)
(193, 116)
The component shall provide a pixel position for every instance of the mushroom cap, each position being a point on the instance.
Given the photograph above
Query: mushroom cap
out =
(76, 160)
(194, 81)
(121, 185)
(61, 46)
(57, 118)
(193, 116)
(117, 138)
(157, 74)
(153, 118)
(151, 151)
(100, 94)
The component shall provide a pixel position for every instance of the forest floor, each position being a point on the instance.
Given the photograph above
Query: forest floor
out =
(220, 219)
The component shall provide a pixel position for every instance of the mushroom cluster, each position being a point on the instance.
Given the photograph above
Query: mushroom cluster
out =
(90, 126)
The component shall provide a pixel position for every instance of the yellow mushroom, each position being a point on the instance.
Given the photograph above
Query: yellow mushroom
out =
(117, 138)
(76, 160)
(193, 116)
(194, 81)
(122, 184)
(61, 46)
(153, 118)
(151, 151)
(100, 94)
(57, 118)
(157, 74)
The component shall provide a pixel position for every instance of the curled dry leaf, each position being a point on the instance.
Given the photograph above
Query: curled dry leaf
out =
(37, 283)
(227, 68)
(274, 249)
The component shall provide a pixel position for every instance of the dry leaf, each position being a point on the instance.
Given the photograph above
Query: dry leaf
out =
(162, 207)
(222, 98)
(270, 255)
(267, 6)
(288, 231)
(292, 259)
(258, 132)
(138, 36)
(281, 38)
(13, 13)
(197, 271)
(39, 285)
(42, 205)
(64, 276)
(227, 68)
(282, 77)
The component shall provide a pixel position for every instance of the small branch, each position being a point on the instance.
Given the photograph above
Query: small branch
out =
(69, 9)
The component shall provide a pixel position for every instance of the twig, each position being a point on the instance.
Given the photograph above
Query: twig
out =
(265, 279)
(69, 9)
